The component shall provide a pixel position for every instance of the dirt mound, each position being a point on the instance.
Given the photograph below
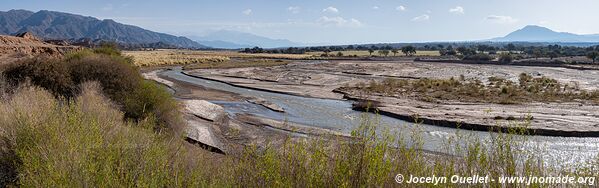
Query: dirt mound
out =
(25, 45)
(27, 35)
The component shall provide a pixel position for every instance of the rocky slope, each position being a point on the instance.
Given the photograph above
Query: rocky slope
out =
(25, 45)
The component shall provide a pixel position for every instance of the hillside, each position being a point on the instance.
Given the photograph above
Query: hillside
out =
(532, 33)
(59, 25)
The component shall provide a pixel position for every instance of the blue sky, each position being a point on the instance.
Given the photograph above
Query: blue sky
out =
(338, 21)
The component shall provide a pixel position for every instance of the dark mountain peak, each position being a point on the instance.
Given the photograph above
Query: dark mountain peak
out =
(19, 11)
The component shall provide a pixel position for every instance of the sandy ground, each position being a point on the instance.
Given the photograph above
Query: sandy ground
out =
(321, 78)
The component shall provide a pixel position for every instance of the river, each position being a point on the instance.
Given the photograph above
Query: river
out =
(337, 115)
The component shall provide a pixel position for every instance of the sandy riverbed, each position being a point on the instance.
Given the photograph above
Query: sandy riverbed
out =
(320, 79)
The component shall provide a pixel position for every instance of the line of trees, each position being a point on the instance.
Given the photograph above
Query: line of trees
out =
(548, 51)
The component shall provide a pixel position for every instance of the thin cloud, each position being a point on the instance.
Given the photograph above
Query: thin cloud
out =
(421, 18)
(294, 10)
(338, 21)
(331, 10)
(457, 10)
(400, 8)
(375, 8)
(501, 19)
(247, 12)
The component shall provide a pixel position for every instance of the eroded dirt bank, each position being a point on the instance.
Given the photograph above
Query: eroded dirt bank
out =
(322, 79)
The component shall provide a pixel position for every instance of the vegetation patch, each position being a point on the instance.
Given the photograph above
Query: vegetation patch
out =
(497, 90)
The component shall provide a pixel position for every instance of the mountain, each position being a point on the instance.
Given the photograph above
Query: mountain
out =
(533, 33)
(233, 39)
(223, 44)
(58, 25)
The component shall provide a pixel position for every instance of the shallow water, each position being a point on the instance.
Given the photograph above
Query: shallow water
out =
(337, 115)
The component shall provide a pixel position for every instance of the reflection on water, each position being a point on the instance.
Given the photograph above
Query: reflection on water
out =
(337, 115)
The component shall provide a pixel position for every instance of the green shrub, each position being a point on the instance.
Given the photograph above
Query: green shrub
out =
(50, 74)
(108, 48)
(153, 99)
(119, 79)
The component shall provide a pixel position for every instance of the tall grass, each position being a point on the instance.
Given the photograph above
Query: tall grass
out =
(85, 143)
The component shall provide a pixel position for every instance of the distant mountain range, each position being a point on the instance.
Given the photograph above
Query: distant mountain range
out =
(233, 40)
(533, 33)
(64, 26)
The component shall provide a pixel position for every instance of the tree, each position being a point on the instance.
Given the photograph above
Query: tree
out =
(340, 54)
(466, 51)
(553, 54)
(408, 50)
(443, 52)
(384, 52)
(483, 48)
(505, 58)
(394, 51)
(593, 55)
(537, 53)
(327, 51)
(370, 51)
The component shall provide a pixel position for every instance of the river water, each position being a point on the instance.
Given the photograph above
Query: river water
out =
(337, 115)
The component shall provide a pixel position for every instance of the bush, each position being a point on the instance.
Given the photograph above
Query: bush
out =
(117, 77)
(478, 57)
(150, 99)
(50, 74)
(505, 58)
(119, 80)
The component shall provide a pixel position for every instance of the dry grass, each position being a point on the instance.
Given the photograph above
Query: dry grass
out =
(174, 57)
(184, 57)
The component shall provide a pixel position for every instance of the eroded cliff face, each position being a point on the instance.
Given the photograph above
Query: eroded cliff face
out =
(25, 45)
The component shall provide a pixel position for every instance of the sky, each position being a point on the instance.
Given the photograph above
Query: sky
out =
(337, 21)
